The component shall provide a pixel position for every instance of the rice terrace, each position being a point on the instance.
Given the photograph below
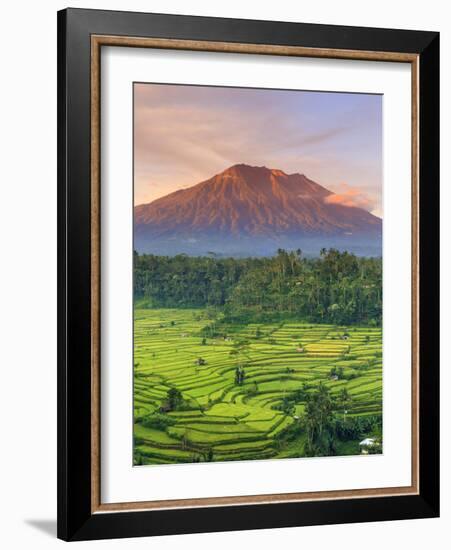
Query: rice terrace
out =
(210, 386)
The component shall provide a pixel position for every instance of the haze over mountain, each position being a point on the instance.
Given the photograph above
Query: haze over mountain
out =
(251, 211)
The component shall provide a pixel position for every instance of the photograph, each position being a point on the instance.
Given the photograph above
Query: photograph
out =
(257, 274)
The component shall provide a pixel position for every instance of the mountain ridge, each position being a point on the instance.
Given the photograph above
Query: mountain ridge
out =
(246, 202)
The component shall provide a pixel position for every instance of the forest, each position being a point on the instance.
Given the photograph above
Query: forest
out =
(336, 287)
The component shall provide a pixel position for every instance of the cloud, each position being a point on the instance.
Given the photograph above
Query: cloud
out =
(351, 196)
(186, 134)
(321, 137)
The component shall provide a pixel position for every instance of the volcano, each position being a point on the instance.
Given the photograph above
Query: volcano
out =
(251, 211)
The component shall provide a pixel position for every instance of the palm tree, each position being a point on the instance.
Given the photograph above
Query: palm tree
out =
(344, 400)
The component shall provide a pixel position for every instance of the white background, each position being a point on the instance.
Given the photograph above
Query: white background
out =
(28, 275)
(119, 481)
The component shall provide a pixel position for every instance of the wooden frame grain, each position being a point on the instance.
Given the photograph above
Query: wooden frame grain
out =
(81, 35)
(157, 43)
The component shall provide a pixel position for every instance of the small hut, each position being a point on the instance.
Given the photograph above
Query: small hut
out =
(366, 444)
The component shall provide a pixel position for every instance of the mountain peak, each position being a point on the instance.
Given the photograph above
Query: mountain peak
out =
(252, 202)
(243, 169)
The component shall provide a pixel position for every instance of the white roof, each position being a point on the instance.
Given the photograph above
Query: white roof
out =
(367, 441)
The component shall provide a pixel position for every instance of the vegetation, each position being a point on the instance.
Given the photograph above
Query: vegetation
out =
(336, 288)
(254, 395)
(256, 358)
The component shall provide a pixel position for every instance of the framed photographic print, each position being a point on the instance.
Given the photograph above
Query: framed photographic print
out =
(248, 274)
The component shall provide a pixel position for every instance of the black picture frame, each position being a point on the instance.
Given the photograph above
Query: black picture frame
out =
(75, 518)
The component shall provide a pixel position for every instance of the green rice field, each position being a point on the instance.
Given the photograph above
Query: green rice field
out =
(223, 420)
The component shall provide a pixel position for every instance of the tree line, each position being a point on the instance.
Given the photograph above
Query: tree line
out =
(325, 422)
(337, 287)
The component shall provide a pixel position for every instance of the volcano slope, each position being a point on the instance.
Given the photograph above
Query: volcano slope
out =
(250, 210)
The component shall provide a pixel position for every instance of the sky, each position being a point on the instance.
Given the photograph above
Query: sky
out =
(186, 134)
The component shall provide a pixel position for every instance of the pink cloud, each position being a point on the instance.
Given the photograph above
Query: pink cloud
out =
(351, 196)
